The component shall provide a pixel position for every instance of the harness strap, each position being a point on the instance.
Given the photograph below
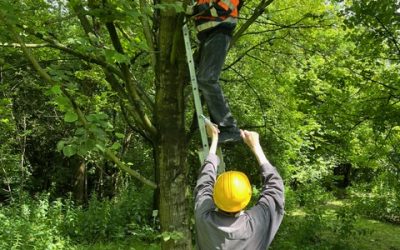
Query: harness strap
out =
(211, 23)
(213, 12)
(228, 3)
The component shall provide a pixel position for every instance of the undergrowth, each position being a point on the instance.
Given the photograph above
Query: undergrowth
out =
(312, 221)
(39, 223)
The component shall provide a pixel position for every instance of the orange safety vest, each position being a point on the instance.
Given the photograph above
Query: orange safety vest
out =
(213, 12)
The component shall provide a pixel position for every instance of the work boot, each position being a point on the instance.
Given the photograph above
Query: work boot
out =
(229, 135)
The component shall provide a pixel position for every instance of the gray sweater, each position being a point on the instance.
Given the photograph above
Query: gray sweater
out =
(251, 229)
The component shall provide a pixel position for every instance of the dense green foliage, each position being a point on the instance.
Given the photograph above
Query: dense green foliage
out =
(319, 80)
(60, 224)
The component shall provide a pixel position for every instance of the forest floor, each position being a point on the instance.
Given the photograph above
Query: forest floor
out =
(383, 236)
(378, 235)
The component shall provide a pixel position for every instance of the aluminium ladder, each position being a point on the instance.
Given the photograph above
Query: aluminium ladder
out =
(197, 102)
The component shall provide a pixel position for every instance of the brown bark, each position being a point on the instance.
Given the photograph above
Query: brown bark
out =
(79, 184)
(171, 149)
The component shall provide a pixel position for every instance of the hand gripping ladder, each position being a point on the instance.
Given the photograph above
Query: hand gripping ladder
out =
(197, 101)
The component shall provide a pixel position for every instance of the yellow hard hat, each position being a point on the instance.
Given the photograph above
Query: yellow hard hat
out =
(232, 191)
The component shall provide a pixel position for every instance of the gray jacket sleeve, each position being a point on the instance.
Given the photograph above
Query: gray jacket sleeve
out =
(272, 194)
(205, 185)
(270, 206)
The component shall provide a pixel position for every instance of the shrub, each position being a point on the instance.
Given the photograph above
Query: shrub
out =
(311, 222)
(38, 223)
(383, 205)
(32, 224)
(126, 214)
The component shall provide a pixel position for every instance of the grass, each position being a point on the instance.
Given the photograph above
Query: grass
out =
(128, 244)
(366, 234)
(382, 236)
(377, 235)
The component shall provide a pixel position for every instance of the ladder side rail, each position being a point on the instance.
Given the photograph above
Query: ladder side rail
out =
(195, 90)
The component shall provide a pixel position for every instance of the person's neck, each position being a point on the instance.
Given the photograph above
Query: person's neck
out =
(232, 214)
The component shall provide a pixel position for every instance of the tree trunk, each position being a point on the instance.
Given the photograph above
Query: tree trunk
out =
(171, 150)
(79, 183)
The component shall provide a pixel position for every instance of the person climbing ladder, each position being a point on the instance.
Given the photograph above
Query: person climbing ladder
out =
(215, 22)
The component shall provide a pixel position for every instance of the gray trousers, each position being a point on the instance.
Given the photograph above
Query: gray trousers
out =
(213, 51)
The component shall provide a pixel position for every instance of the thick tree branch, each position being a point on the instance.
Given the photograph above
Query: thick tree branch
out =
(287, 27)
(247, 51)
(80, 114)
(258, 11)
(28, 45)
(147, 32)
(79, 10)
(116, 86)
(92, 59)
(132, 90)
(88, 58)
(145, 97)
(391, 36)
(374, 81)
(130, 171)
(130, 124)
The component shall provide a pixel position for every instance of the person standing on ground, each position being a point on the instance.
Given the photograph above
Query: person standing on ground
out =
(215, 22)
(221, 220)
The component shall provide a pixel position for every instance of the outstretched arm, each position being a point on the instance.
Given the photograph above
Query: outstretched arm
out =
(212, 131)
(205, 182)
(271, 203)
(252, 139)
(272, 194)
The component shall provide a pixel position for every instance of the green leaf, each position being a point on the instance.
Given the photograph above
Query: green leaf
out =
(177, 7)
(63, 102)
(101, 147)
(166, 237)
(56, 89)
(5, 120)
(70, 117)
(119, 135)
(69, 150)
(116, 146)
(97, 117)
(60, 145)
(86, 146)
(98, 132)
(80, 132)
(113, 56)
